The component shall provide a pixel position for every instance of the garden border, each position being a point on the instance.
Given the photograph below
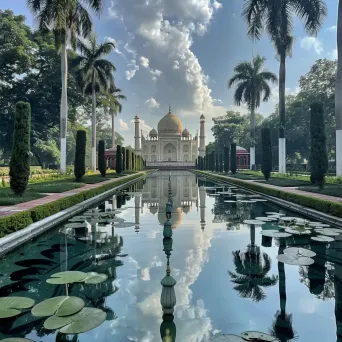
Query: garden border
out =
(319, 209)
(47, 216)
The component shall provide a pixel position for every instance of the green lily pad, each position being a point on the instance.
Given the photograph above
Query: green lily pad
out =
(229, 201)
(297, 260)
(274, 213)
(258, 336)
(124, 224)
(227, 338)
(67, 277)
(326, 231)
(95, 278)
(16, 339)
(266, 219)
(288, 218)
(59, 306)
(322, 238)
(257, 222)
(275, 233)
(300, 231)
(315, 224)
(10, 306)
(85, 320)
(300, 252)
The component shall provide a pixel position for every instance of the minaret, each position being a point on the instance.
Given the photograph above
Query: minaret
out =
(137, 145)
(202, 197)
(201, 149)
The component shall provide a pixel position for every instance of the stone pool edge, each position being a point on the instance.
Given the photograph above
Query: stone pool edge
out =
(286, 204)
(15, 239)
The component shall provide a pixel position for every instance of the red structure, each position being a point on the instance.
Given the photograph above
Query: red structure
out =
(110, 156)
(242, 156)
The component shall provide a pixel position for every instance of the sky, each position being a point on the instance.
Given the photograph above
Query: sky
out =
(183, 52)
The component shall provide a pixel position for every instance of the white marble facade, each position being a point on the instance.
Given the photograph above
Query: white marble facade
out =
(169, 142)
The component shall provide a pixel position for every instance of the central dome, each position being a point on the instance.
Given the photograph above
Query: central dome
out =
(170, 124)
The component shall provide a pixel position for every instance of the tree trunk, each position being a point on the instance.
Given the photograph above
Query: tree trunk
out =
(113, 131)
(93, 127)
(338, 94)
(282, 142)
(252, 137)
(64, 107)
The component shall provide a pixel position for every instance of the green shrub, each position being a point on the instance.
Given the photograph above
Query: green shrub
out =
(20, 158)
(127, 167)
(118, 159)
(266, 142)
(10, 224)
(212, 161)
(221, 162)
(102, 158)
(226, 159)
(123, 150)
(204, 162)
(133, 161)
(233, 166)
(80, 154)
(318, 152)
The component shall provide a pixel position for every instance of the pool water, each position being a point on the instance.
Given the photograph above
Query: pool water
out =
(228, 278)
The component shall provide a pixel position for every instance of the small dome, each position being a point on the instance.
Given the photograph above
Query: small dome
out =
(185, 133)
(153, 132)
(202, 117)
(170, 124)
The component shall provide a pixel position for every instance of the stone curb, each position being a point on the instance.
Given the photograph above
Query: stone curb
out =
(19, 237)
(286, 204)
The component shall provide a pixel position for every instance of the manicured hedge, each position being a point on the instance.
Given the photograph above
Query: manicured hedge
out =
(328, 207)
(10, 224)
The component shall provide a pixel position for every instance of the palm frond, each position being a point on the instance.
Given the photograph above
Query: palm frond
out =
(104, 49)
(254, 13)
(95, 5)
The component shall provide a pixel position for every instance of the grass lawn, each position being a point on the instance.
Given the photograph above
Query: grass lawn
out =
(286, 182)
(245, 176)
(330, 189)
(8, 198)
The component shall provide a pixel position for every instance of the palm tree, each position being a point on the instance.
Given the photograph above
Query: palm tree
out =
(338, 92)
(94, 75)
(68, 20)
(252, 87)
(251, 274)
(111, 101)
(276, 17)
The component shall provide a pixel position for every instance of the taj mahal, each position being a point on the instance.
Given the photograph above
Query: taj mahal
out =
(170, 143)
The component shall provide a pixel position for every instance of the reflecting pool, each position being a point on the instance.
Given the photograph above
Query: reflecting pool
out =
(228, 278)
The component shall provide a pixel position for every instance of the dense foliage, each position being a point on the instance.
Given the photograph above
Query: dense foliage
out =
(233, 166)
(318, 154)
(266, 142)
(80, 154)
(101, 158)
(118, 159)
(226, 159)
(20, 159)
(123, 150)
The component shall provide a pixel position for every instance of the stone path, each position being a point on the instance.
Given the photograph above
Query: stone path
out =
(10, 210)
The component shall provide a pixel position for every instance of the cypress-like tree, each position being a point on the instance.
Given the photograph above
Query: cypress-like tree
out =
(127, 159)
(196, 164)
(133, 161)
(233, 166)
(207, 163)
(226, 159)
(123, 159)
(80, 153)
(20, 158)
(266, 143)
(318, 153)
(118, 159)
(101, 158)
(221, 162)
(217, 165)
(204, 162)
(213, 161)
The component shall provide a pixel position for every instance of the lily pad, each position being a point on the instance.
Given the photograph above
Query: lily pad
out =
(300, 231)
(16, 339)
(313, 224)
(10, 306)
(111, 220)
(326, 231)
(67, 277)
(274, 213)
(266, 219)
(227, 338)
(124, 224)
(258, 336)
(322, 238)
(229, 201)
(95, 278)
(260, 200)
(59, 306)
(297, 260)
(257, 222)
(288, 218)
(85, 320)
(275, 233)
(299, 251)
(76, 225)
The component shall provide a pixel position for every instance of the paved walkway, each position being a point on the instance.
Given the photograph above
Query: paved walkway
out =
(10, 210)
(291, 190)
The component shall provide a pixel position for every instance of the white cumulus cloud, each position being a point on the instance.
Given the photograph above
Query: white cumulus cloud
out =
(133, 68)
(144, 62)
(155, 74)
(312, 43)
(332, 54)
(123, 125)
(152, 103)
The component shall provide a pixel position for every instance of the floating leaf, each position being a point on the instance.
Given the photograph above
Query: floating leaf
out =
(300, 231)
(124, 224)
(297, 260)
(227, 338)
(258, 336)
(229, 201)
(85, 320)
(10, 306)
(76, 225)
(327, 231)
(16, 339)
(67, 277)
(95, 278)
(322, 238)
(274, 213)
(257, 222)
(314, 224)
(266, 219)
(288, 218)
(299, 251)
(59, 306)
(275, 233)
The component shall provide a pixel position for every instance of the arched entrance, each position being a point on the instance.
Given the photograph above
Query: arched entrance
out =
(170, 152)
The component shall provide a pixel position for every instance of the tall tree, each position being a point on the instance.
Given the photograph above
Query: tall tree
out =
(101, 158)
(338, 92)
(226, 159)
(252, 80)
(95, 74)
(67, 20)
(266, 167)
(276, 17)
(233, 162)
(80, 153)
